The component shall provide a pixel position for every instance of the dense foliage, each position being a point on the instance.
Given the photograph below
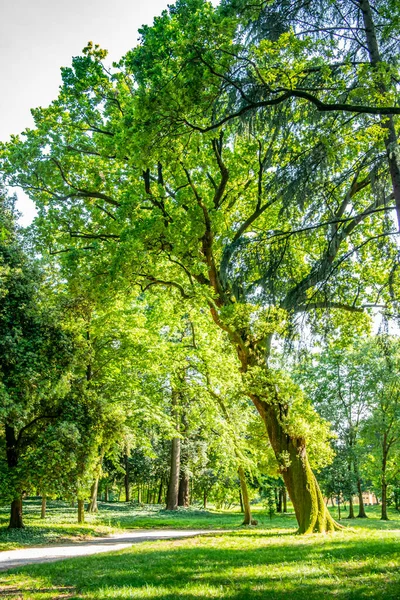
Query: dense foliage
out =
(231, 183)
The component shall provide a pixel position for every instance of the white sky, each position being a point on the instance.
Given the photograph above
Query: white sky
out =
(37, 37)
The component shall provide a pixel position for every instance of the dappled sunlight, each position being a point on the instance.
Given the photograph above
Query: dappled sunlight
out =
(235, 565)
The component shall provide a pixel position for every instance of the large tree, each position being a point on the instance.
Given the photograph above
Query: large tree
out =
(259, 221)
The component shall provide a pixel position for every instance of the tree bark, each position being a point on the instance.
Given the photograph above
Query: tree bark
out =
(160, 492)
(183, 493)
(311, 513)
(351, 509)
(16, 521)
(247, 520)
(384, 514)
(81, 511)
(43, 509)
(93, 508)
(385, 451)
(241, 500)
(126, 476)
(173, 487)
(173, 484)
(280, 501)
(361, 508)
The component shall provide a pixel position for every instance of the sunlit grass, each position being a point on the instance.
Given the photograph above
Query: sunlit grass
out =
(61, 521)
(258, 563)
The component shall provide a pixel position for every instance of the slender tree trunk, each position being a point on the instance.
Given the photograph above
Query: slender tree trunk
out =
(93, 508)
(173, 487)
(205, 498)
(106, 494)
(361, 508)
(160, 492)
(284, 500)
(241, 500)
(280, 501)
(12, 454)
(384, 514)
(338, 506)
(81, 511)
(351, 509)
(248, 520)
(126, 476)
(43, 509)
(16, 521)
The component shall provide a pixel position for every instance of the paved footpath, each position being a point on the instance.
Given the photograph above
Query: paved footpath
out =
(28, 556)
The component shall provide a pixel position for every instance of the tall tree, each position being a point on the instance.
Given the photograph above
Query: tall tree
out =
(213, 209)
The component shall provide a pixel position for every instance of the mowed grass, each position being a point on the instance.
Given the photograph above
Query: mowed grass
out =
(259, 563)
(267, 562)
(61, 522)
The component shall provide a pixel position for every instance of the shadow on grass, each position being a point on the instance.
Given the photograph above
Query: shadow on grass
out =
(233, 567)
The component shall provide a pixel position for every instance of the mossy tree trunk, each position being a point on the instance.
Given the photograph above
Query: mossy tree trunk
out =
(311, 513)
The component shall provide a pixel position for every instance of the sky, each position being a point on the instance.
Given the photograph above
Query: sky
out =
(37, 37)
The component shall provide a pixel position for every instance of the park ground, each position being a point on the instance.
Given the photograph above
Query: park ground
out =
(268, 561)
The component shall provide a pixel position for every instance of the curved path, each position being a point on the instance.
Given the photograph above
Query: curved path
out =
(27, 556)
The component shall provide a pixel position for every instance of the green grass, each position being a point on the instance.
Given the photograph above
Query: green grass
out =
(268, 562)
(61, 522)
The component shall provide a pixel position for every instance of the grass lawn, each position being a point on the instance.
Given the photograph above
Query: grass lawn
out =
(266, 562)
(61, 522)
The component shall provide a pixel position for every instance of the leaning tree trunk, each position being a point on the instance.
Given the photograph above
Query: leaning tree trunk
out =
(311, 513)
(245, 498)
(16, 521)
(43, 509)
(93, 508)
(81, 511)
